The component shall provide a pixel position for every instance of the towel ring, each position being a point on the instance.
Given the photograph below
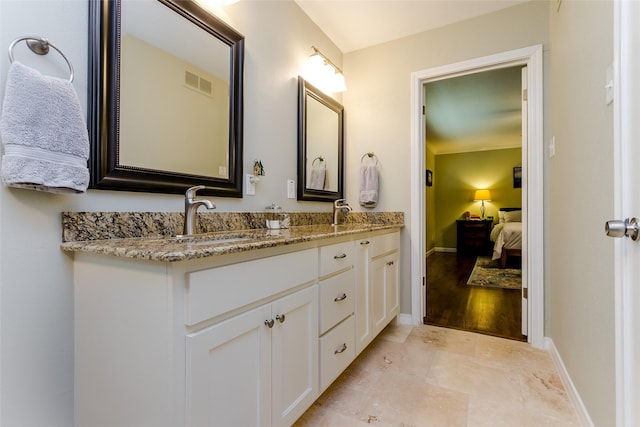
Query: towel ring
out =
(317, 158)
(40, 46)
(371, 155)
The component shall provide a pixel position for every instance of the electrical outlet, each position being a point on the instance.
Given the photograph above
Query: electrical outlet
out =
(552, 146)
(250, 185)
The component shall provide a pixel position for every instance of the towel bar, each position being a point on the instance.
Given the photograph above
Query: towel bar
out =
(371, 155)
(317, 158)
(40, 46)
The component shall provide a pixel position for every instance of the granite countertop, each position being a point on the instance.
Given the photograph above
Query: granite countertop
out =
(169, 249)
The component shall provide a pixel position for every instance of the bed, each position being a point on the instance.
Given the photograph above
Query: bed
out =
(507, 235)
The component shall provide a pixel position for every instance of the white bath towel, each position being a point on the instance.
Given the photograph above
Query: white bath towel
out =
(369, 185)
(317, 179)
(46, 145)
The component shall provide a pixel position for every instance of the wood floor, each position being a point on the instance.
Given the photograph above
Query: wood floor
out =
(454, 304)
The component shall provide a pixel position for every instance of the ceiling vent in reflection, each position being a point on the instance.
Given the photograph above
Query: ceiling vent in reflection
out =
(198, 83)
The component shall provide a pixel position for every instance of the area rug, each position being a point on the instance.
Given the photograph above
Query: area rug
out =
(487, 273)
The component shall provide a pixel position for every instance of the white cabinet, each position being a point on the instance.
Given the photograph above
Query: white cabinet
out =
(175, 344)
(384, 291)
(229, 372)
(377, 287)
(244, 339)
(364, 334)
(337, 305)
(259, 368)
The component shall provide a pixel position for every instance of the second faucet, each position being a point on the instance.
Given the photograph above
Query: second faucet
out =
(340, 205)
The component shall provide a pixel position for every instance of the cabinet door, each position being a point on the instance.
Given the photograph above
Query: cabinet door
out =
(229, 372)
(385, 292)
(391, 278)
(363, 313)
(294, 355)
(378, 295)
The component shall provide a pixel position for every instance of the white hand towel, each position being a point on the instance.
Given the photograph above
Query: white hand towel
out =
(46, 145)
(317, 179)
(369, 186)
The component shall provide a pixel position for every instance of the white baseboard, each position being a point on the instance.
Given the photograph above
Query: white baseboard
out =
(404, 319)
(572, 392)
(431, 251)
(441, 249)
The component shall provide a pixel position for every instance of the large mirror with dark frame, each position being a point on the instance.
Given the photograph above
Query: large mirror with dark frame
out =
(165, 98)
(320, 145)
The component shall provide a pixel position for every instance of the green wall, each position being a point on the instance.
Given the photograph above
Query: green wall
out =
(457, 176)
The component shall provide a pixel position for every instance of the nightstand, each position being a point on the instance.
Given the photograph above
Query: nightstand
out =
(473, 237)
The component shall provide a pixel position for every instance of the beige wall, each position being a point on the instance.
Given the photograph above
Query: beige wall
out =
(36, 304)
(581, 200)
(459, 175)
(378, 102)
(36, 307)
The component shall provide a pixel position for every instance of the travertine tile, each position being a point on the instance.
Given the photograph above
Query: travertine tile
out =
(513, 354)
(396, 332)
(474, 377)
(443, 377)
(449, 340)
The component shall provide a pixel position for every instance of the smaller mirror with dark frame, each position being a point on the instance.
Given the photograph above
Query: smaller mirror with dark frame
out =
(320, 145)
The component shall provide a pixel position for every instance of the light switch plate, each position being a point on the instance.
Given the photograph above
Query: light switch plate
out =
(291, 189)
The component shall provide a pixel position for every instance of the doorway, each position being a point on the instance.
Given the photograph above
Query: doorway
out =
(474, 146)
(532, 177)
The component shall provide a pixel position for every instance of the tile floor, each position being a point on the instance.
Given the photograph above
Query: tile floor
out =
(432, 376)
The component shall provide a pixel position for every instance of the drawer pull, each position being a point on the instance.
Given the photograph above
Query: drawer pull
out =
(341, 256)
(366, 242)
(390, 263)
(280, 317)
(340, 298)
(341, 349)
(269, 323)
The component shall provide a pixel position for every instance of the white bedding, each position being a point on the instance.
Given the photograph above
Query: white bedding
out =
(506, 235)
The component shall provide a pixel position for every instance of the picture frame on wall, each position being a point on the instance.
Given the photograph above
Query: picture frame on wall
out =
(517, 177)
(429, 179)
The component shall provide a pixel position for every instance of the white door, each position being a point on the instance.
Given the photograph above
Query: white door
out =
(627, 204)
(525, 238)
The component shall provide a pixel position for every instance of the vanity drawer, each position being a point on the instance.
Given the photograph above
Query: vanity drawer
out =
(216, 291)
(337, 351)
(384, 243)
(336, 257)
(337, 299)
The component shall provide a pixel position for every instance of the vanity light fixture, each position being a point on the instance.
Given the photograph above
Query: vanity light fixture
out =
(215, 4)
(324, 74)
(482, 196)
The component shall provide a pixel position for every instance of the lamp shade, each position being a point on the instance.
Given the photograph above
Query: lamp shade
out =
(482, 195)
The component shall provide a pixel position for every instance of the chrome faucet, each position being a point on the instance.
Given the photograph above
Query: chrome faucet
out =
(191, 205)
(340, 205)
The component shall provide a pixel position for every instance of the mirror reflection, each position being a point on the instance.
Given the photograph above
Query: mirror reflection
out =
(172, 99)
(320, 144)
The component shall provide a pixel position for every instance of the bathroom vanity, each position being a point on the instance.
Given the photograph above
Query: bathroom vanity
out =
(240, 330)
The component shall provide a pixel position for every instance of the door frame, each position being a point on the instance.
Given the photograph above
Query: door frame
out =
(533, 180)
(626, 252)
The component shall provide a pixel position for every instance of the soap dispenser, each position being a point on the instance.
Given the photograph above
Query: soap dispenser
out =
(274, 216)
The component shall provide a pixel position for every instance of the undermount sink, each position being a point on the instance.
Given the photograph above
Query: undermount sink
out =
(218, 241)
(211, 240)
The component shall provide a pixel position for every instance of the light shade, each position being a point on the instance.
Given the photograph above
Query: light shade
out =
(482, 195)
(323, 73)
